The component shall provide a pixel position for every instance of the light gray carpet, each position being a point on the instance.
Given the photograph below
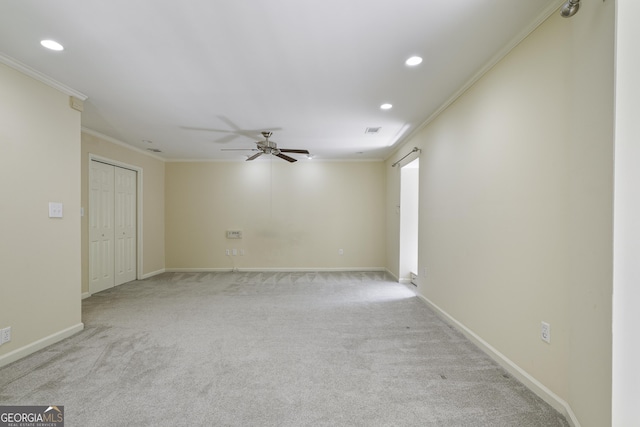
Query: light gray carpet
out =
(269, 349)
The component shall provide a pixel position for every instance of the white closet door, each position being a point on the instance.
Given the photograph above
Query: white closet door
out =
(125, 225)
(101, 227)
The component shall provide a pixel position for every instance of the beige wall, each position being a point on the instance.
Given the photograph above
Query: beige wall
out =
(293, 216)
(39, 256)
(392, 217)
(516, 208)
(591, 155)
(153, 243)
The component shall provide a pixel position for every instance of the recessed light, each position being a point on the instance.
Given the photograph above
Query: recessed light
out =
(386, 106)
(413, 61)
(53, 45)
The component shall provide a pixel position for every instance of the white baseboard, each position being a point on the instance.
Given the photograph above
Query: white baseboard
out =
(272, 270)
(197, 270)
(39, 345)
(396, 278)
(311, 270)
(153, 273)
(529, 381)
(86, 295)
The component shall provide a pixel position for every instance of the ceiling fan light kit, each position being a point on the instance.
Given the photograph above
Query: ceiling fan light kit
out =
(270, 147)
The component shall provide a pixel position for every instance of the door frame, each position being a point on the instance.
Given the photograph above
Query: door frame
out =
(139, 205)
(412, 228)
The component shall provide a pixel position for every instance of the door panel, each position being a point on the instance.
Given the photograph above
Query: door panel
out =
(112, 226)
(101, 231)
(125, 225)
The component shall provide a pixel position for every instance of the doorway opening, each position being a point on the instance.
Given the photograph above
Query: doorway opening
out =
(409, 197)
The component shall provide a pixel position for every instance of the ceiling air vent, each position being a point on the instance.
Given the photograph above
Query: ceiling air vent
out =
(372, 131)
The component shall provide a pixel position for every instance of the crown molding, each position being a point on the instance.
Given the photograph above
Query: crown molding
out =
(120, 143)
(302, 160)
(513, 43)
(43, 78)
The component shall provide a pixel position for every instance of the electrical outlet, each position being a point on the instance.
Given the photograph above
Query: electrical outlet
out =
(228, 252)
(6, 335)
(545, 332)
(55, 210)
(234, 252)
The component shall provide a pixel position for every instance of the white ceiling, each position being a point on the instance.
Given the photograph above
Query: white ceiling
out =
(200, 75)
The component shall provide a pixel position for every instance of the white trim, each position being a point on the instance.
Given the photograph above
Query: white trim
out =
(120, 143)
(43, 78)
(86, 295)
(300, 160)
(524, 377)
(139, 199)
(153, 273)
(39, 344)
(272, 270)
(198, 270)
(140, 209)
(392, 275)
(515, 41)
(163, 159)
(112, 162)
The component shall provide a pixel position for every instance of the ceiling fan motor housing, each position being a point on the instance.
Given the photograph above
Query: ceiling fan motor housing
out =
(268, 147)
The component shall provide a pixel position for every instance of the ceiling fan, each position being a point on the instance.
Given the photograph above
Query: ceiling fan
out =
(269, 147)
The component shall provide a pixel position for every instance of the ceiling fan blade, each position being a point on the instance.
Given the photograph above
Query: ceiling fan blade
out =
(206, 129)
(233, 132)
(291, 150)
(263, 147)
(255, 156)
(229, 123)
(226, 139)
(287, 158)
(249, 133)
